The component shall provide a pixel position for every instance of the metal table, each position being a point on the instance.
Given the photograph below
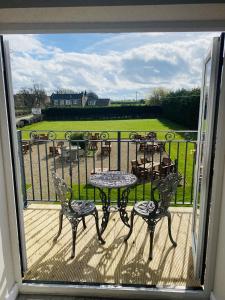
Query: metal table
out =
(73, 151)
(113, 180)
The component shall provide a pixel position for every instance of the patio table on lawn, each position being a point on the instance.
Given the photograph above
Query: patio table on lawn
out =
(99, 170)
(74, 151)
(113, 180)
(149, 166)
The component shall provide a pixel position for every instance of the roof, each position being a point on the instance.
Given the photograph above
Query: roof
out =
(102, 102)
(66, 96)
(99, 101)
(74, 3)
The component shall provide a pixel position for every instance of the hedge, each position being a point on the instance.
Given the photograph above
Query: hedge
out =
(93, 113)
(182, 107)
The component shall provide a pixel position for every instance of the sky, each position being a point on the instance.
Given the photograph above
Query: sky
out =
(117, 66)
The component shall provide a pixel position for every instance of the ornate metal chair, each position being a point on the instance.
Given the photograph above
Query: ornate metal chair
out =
(152, 135)
(137, 171)
(154, 210)
(74, 210)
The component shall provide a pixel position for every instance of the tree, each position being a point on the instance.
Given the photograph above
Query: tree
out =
(157, 95)
(92, 96)
(32, 97)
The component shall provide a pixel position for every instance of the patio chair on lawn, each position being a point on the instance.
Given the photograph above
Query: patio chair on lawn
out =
(161, 146)
(157, 208)
(53, 150)
(93, 145)
(152, 135)
(144, 160)
(106, 148)
(43, 136)
(64, 154)
(167, 166)
(74, 210)
(142, 147)
(60, 144)
(26, 147)
(137, 171)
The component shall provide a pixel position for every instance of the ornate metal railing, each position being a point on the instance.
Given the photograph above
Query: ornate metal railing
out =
(74, 155)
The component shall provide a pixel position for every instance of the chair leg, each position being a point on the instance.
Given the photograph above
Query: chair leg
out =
(169, 230)
(84, 224)
(60, 226)
(131, 226)
(74, 225)
(97, 226)
(152, 230)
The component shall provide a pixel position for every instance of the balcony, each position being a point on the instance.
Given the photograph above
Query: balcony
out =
(115, 262)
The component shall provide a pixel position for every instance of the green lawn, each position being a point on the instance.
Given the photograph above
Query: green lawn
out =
(140, 192)
(185, 166)
(103, 125)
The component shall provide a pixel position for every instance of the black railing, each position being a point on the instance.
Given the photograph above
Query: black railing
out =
(148, 155)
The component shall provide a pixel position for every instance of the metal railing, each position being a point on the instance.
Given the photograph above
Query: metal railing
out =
(131, 151)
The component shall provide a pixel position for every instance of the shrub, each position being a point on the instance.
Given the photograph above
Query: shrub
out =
(74, 137)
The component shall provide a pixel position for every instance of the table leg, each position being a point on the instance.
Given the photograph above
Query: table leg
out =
(122, 207)
(105, 209)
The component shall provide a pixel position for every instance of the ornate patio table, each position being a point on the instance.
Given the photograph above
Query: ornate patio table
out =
(113, 180)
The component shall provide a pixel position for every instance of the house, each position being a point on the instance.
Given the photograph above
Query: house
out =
(77, 99)
(103, 16)
(69, 99)
(98, 102)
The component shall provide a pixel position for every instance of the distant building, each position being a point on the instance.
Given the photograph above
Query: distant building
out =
(79, 99)
(98, 102)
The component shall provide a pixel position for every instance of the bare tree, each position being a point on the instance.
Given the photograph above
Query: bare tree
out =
(32, 97)
(92, 95)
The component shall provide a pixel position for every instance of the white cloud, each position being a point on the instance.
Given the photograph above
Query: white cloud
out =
(115, 67)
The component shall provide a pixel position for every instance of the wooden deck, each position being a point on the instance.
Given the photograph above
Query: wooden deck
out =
(115, 262)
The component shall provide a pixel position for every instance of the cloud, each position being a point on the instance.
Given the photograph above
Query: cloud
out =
(115, 67)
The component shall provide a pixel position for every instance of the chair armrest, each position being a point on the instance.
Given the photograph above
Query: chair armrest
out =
(156, 203)
(70, 198)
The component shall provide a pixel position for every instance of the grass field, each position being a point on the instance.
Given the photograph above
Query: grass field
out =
(103, 125)
(178, 150)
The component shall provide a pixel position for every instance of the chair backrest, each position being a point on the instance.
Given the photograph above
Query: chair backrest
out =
(166, 161)
(61, 189)
(60, 143)
(143, 159)
(152, 135)
(134, 163)
(166, 189)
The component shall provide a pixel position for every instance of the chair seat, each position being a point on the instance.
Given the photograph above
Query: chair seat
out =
(145, 208)
(81, 208)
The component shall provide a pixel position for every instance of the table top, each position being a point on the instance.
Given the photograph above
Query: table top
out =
(112, 179)
(152, 143)
(149, 165)
(73, 148)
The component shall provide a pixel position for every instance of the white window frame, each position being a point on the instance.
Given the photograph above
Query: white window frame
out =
(111, 291)
(68, 102)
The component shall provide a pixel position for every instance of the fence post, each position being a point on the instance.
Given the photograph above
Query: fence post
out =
(22, 171)
(119, 150)
(119, 159)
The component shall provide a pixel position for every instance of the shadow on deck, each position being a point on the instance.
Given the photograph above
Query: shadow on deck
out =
(115, 262)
